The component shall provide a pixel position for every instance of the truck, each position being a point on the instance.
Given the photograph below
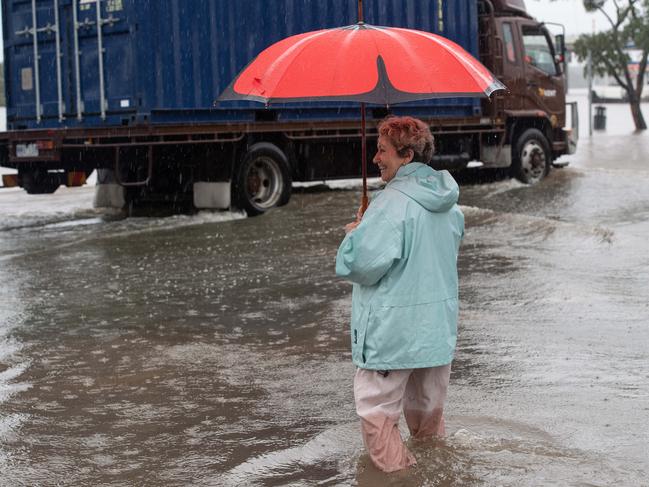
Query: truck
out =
(128, 88)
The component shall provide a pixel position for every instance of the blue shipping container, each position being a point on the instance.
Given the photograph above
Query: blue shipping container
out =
(166, 61)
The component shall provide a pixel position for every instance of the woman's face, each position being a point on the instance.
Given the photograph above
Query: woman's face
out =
(387, 159)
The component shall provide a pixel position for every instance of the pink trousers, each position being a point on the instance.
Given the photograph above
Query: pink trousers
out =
(420, 393)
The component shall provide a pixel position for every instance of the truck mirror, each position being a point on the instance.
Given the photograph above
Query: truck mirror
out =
(560, 48)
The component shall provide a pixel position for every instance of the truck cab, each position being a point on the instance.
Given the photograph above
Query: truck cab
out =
(530, 64)
(521, 52)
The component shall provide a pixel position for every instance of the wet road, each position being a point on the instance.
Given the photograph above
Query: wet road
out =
(213, 349)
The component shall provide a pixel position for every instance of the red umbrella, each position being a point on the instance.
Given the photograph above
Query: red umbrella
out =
(365, 63)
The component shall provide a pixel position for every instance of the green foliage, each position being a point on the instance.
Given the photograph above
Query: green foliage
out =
(629, 27)
(637, 29)
(592, 5)
(607, 58)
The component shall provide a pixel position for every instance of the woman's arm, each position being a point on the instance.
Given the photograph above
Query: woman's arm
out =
(369, 250)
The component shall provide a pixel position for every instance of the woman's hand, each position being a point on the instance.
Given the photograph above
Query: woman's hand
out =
(359, 216)
(351, 226)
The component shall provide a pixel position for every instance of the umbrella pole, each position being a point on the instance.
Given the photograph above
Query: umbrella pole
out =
(364, 200)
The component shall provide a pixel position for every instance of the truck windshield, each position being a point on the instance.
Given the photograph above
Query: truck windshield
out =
(538, 52)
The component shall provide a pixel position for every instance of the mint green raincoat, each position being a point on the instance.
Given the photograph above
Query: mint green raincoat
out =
(402, 259)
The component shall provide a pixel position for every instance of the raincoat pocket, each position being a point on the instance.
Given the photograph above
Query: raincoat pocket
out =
(410, 332)
(415, 299)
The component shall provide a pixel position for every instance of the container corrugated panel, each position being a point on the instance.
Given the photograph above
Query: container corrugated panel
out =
(166, 61)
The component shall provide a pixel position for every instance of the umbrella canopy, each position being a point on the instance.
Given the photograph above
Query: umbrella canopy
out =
(365, 63)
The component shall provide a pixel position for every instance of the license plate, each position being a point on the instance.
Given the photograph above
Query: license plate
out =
(26, 150)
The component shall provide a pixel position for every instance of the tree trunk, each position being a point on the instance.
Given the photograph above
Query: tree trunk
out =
(638, 118)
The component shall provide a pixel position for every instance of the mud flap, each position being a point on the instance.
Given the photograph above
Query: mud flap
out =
(9, 181)
(108, 194)
(212, 195)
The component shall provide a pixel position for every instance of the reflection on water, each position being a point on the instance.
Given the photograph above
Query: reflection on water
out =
(213, 349)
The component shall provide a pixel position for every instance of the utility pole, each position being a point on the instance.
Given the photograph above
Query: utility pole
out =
(589, 68)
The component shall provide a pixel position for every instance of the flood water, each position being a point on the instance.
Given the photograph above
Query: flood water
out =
(214, 349)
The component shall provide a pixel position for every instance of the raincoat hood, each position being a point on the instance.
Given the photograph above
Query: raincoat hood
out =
(436, 191)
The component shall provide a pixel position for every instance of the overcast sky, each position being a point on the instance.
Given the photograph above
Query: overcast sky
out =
(570, 13)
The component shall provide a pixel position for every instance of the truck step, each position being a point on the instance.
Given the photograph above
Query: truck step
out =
(560, 164)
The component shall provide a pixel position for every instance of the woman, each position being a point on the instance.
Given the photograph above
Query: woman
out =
(401, 256)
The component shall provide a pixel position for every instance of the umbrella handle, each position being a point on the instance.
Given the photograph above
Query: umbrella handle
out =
(365, 202)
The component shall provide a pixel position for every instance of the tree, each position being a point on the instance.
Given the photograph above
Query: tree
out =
(629, 27)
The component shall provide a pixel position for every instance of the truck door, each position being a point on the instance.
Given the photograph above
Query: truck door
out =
(513, 72)
(35, 83)
(545, 82)
(101, 58)
(55, 71)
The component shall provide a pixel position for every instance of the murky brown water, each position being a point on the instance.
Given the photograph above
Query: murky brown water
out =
(213, 349)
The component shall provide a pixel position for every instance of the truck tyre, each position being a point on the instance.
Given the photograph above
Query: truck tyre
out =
(40, 182)
(532, 158)
(262, 179)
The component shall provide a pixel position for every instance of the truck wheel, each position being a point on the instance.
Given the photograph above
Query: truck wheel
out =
(262, 180)
(531, 159)
(40, 182)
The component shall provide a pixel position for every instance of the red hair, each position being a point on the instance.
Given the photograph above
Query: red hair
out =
(408, 133)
